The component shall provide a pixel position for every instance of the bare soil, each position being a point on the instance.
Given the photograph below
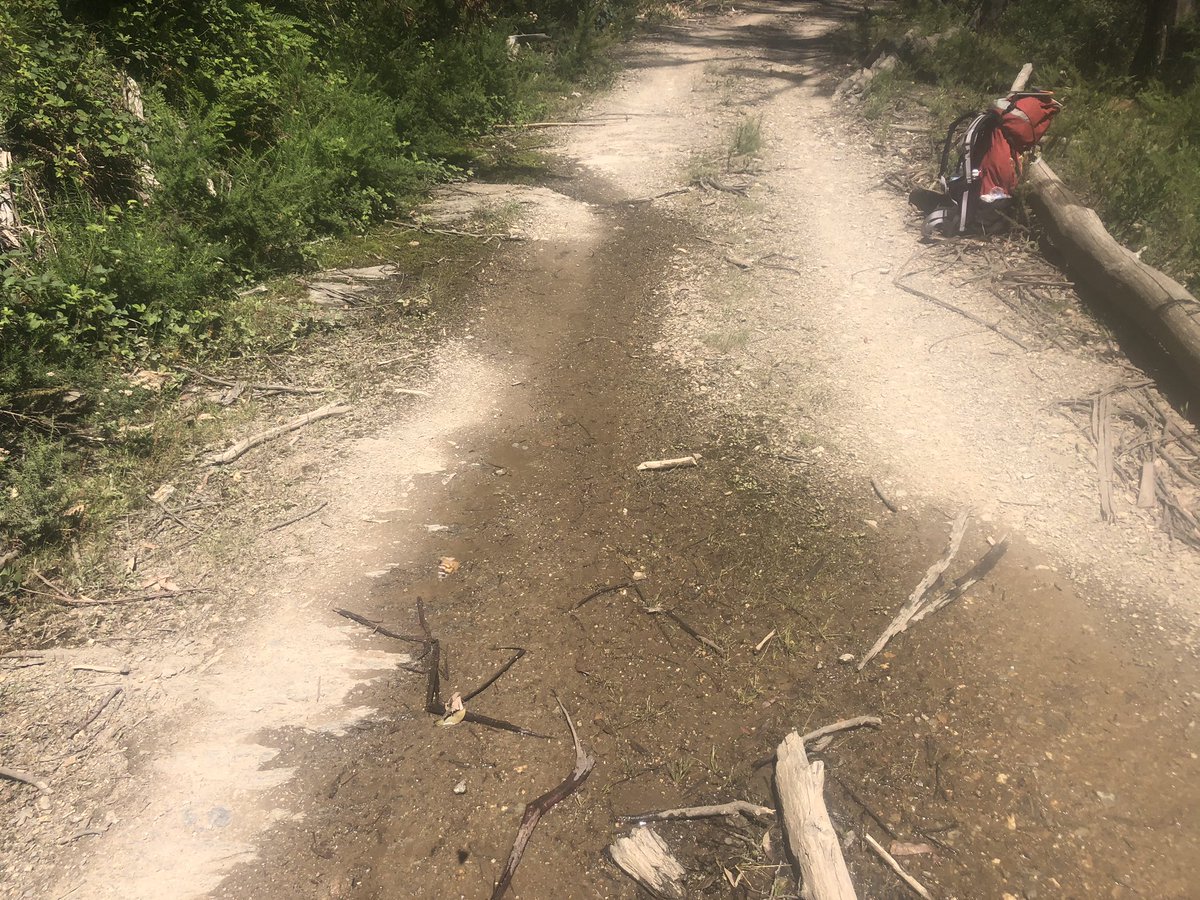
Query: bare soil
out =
(1038, 734)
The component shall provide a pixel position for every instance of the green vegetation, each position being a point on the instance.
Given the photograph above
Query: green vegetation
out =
(166, 155)
(1129, 137)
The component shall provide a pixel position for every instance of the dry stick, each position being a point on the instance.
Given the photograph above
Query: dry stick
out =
(732, 808)
(966, 582)
(254, 386)
(433, 689)
(1102, 408)
(896, 867)
(96, 711)
(584, 763)
(518, 653)
(242, 446)
(853, 795)
(901, 622)
(377, 628)
(104, 670)
(600, 592)
(688, 628)
(810, 835)
(25, 778)
(883, 498)
(656, 465)
(554, 125)
(294, 519)
(820, 738)
(966, 313)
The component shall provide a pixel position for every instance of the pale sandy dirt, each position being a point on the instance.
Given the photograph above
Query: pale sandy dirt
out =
(1041, 733)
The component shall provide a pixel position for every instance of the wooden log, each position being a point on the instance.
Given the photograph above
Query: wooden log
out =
(813, 842)
(645, 857)
(1158, 304)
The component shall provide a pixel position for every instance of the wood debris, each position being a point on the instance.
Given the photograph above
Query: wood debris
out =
(658, 465)
(534, 810)
(916, 886)
(730, 809)
(821, 868)
(904, 617)
(234, 451)
(645, 857)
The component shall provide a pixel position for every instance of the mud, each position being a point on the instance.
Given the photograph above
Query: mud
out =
(1039, 746)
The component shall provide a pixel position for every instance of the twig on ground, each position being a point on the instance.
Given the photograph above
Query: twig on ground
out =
(965, 313)
(518, 652)
(692, 632)
(96, 711)
(242, 446)
(552, 125)
(883, 498)
(377, 628)
(865, 807)
(657, 465)
(297, 518)
(910, 607)
(25, 778)
(584, 763)
(896, 867)
(600, 592)
(104, 670)
(821, 738)
(253, 385)
(732, 808)
(1101, 411)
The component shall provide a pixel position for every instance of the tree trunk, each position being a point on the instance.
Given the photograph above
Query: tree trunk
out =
(1163, 18)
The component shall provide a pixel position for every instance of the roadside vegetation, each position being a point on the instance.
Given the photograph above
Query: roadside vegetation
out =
(1128, 139)
(161, 159)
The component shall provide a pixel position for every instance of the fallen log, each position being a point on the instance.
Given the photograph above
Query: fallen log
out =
(1155, 302)
(813, 842)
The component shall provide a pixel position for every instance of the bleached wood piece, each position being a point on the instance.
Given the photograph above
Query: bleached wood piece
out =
(1022, 78)
(820, 738)
(813, 842)
(645, 857)
(732, 808)
(897, 868)
(913, 603)
(242, 446)
(9, 223)
(655, 465)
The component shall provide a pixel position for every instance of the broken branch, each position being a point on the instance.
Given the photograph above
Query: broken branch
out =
(901, 622)
(896, 867)
(242, 446)
(658, 465)
(644, 857)
(584, 763)
(732, 808)
(821, 868)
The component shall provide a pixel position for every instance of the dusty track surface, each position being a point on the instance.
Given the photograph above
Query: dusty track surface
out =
(1038, 734)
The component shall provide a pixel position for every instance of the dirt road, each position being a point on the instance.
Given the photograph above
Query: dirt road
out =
(1038, 735)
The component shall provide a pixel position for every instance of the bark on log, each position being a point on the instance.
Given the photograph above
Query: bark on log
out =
(1157, 303)
(813, 842)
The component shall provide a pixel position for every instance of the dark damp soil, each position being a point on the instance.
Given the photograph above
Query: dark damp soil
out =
(1042, 746)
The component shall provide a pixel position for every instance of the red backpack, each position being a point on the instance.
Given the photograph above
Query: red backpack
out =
(989, 166)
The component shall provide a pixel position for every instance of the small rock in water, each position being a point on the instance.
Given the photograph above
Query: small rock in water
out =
(461, 787)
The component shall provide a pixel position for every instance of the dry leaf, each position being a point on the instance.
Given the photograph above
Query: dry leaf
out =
(447, 565)
(455, 711)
